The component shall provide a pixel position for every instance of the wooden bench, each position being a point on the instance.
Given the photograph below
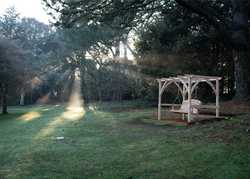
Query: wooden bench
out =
(184, 108)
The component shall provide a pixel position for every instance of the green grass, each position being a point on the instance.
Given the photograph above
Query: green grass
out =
(115, 140)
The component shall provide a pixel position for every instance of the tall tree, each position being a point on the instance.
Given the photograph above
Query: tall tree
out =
(9, 24)
(179, 43)
(36, 40)
(11, 65)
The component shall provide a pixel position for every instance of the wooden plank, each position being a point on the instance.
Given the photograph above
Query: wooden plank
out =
(176, 105)
(205, 106)
(217, 98)
(159, 101)
(203, 116)
(198, 116)
(203, 77)
(189, 99)
(178, 111)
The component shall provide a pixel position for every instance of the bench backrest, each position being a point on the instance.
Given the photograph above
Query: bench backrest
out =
(184, 106)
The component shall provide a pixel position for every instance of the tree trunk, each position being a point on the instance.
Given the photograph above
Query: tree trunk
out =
(241, 70)
(22, 95)
(4, 98)
(117, 49)
(125, 49)
(230, 74)
(240, 39)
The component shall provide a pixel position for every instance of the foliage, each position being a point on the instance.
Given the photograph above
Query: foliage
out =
(111, 81)
(187, 45)
(41, 47)
(12, 62)
(227, 20)
(54, 54)
(103, 77)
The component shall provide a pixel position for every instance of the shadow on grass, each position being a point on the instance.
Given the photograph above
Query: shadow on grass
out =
(10, 116)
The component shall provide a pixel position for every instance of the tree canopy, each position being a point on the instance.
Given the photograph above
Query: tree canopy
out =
(171, 37)
(228, 19)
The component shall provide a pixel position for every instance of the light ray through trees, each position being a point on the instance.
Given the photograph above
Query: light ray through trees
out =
(74, 110)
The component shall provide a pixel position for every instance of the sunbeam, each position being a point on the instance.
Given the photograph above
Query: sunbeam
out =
(30, 116)
(74, 110)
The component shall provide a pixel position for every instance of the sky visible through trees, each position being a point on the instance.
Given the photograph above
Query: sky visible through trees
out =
(27, 8)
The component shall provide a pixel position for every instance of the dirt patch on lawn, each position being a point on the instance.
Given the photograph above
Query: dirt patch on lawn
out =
(126, 109)
(235, 107)
(225, 137)
(229, 131)
(149, 122)
(140, 121)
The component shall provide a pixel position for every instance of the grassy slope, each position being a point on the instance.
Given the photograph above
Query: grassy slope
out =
(111, 142)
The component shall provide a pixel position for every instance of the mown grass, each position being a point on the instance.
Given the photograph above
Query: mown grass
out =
(113, 140)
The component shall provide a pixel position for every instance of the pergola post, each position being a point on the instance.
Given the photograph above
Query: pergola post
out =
(189, 99)
(183, 92)
(159, 101)
(183, 98)
(217, 98)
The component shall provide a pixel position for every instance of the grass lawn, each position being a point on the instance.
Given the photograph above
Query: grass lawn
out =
(119, 140)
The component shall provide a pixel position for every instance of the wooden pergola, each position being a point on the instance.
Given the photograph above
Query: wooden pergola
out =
(186, 84)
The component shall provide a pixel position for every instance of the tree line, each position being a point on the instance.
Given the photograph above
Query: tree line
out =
(170, 38)
(38, 62)
(219, 28)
